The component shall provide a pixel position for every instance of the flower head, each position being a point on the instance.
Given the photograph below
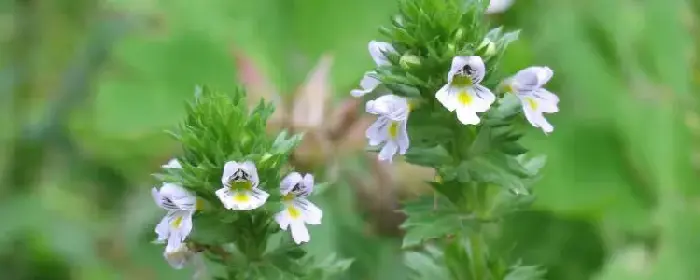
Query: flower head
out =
(240, 191)
(527, 85)
(463, 92)
(178, 256)
(298, 210)
(177, 223)
(390, 127)
(378, 51)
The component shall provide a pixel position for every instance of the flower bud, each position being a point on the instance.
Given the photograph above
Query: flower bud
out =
(487, 48)
(409, 61)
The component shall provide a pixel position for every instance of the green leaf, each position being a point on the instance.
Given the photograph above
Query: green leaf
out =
(429, 218)
(525, 273)
(425, 266)
(430, 157)
(282, 145)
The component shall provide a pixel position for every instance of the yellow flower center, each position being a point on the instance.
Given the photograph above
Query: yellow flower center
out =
(241, 197)
(177, 222)
(288, 197)
(394, 129)
(242, 185)
(464, 98)
(532, 103)
(199, 204)
(294, 212)
(461, 80)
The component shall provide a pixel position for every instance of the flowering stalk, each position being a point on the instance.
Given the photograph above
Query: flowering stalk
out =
(232, 199)
(442, 102)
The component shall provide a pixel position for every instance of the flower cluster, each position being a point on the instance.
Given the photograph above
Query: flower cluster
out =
(240, 192)
(462, 93)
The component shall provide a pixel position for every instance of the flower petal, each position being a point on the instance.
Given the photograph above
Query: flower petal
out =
(388, 151)
(376, 132)
(367, 85)
(283, 219)
(178, 257)
(549, 102)
(467, 116)
(472, 66)
(444, 97)
(378, 51)
(309, 182)
(537, 119)
(229, 168)
(174, 197)
(483, 98)
(311, 213)
(402, 140)
(289, 182)
(300, 233)
(163, 229)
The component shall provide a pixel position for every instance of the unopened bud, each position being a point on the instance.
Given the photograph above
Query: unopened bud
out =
(459, 35)
(409, 61)
(487, 48)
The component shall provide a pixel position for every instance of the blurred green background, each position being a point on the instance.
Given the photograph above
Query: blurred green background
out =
(87, 88)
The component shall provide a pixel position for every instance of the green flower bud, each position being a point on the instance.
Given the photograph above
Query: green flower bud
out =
(409, 61)
(487, 48)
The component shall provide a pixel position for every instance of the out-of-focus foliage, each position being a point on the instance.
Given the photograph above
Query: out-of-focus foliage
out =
(88, 86)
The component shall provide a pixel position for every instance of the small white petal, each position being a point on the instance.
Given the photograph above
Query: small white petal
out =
(163, 230)
(534, 116)
(378, 51)
(483, 98)
(548, 102)
(309, 182)
(444, 97)
(467, 116)
(300, 233)
(530, 79)
(282, 218)
(311, 213)
(289, 181)
(376, 132)
(367, 85)
(388, 151)
(173, 163)
(472, 66)
(179, 227)
(178, 257)
(402, 139)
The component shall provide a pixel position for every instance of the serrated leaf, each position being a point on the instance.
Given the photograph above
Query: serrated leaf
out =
(282, 145)
(525, 273)
(430, 157)
(430, 218)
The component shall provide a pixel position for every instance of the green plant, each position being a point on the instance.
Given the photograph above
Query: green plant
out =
(223, 200)
(435, 105)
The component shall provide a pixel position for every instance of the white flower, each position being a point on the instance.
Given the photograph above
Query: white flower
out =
(178, 256)
(240, 191)
(527, 85)
(177, 224)
(463, 93)
(298, 210)
(378, 51)
(390, 127)
(173, 163)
